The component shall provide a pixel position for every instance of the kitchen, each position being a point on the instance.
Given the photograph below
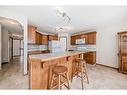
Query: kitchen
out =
(55, 52)
(78, 54)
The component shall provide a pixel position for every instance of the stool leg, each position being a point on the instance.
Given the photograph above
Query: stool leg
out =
(67, 81)
(72, 73)
(82, 79)
(86, 74)
(59, 87)
(51, 81)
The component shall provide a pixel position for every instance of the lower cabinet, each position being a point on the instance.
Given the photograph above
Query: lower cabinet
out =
(90, 57)
(123, 65)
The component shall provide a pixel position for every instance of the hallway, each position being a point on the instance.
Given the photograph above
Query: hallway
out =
(11, 76)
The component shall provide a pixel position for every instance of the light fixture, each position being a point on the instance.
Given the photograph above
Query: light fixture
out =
(61, 29)
(63, 15)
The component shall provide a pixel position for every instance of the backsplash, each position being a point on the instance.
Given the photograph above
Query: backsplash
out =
(37, 47)
(83, 47)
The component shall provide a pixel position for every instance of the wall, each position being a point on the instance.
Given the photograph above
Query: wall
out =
(5, 45)
(107, 44)
(0, 48)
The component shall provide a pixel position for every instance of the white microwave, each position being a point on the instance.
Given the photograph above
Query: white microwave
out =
(80, 41)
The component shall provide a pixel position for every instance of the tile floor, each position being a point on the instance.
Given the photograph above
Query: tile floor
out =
(100, 77)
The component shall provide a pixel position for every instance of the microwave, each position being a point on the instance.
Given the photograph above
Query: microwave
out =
(80, 41)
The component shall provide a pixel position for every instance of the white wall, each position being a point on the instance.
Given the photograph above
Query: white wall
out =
(5, 45)
(0, 48)
(107, 44)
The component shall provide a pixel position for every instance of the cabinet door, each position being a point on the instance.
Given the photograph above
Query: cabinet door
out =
(73, 40)
(92, 38)
(90, 57)
(86, 39)
(55, 37)
(31, 35)
(44, 39)
(38, 38)
(124, 64)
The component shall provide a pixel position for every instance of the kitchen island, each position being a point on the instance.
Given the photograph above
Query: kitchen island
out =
(40, 67)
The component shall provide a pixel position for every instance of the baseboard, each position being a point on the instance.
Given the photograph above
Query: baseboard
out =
(4, 62)
(106, 66)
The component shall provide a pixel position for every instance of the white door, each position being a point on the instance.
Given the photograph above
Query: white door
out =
(63, 43)
(16, 47)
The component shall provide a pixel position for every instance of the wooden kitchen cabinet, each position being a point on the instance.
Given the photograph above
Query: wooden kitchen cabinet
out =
(90, 38)
(31, 34)
(44, 39)
(90, 57)
(35, 37)
(52, 37)
(38, 38)
(73, 40)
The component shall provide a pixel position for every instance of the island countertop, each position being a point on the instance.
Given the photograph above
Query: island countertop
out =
(51, 56)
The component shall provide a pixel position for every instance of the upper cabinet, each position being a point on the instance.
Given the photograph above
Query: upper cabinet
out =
(31, 34)
(73, 40)
(35, 37)
(90, 38)
(44, 39)
(52, 37)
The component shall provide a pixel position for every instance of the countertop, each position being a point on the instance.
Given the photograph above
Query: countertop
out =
(37, 52)
(51, 56)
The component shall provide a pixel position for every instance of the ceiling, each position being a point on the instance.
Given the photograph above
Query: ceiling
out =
(83, 18)
(12, 25)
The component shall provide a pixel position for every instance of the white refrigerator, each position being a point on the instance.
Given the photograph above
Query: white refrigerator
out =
(54, 46)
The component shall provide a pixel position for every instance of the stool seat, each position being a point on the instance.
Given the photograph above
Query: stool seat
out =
(59, 77)
(60, 69)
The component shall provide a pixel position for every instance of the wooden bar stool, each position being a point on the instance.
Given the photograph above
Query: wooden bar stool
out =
(59, 77)
(79, 69)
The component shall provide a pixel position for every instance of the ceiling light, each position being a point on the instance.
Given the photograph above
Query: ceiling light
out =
(62, 29)
(60, 13)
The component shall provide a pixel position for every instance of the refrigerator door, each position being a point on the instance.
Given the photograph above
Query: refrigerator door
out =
(55, 44)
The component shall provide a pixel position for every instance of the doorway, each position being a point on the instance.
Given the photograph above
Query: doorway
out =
(63, 43)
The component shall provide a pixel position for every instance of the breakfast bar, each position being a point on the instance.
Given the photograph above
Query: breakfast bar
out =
(40, 67)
